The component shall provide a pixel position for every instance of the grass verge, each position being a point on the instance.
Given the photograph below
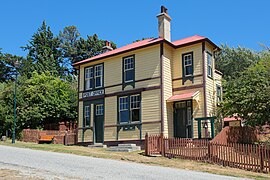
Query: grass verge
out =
(138, 157)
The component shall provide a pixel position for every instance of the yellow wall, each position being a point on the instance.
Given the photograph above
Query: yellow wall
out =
(177, 64)
(167, 85)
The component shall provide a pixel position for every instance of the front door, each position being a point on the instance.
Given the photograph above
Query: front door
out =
(99, 123)
(183, 119)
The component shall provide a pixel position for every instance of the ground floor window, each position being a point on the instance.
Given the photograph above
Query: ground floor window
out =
(129, 108)
(86, 116)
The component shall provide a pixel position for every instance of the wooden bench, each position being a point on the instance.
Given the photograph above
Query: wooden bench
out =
(46, 138)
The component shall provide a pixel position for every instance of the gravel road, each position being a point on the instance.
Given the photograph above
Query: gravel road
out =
(50, 165)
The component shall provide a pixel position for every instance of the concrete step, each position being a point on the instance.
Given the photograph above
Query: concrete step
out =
(125, 148)
(133, 148)
(126, 145)
(97, 145)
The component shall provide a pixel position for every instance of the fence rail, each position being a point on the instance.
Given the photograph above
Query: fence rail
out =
(244, 156)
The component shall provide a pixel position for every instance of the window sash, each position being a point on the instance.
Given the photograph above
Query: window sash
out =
(98, 76)
(129, 108)
(93, 77)
(209, 65)
(128, 69)
(188, 64)
(86, 116)
(99, 110)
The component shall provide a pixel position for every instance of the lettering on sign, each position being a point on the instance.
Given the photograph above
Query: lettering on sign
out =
(93, 93)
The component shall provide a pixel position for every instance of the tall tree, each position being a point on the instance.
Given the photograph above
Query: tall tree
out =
(248, 95)
(44, 52)
(232, 61)
(7, 69)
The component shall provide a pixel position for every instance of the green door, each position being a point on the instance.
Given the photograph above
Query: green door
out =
(183, 119)
(99, 123)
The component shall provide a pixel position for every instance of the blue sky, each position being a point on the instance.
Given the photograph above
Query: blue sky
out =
(233, 22)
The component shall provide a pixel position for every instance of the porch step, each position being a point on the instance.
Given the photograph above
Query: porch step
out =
(97, 145)
(125, 148)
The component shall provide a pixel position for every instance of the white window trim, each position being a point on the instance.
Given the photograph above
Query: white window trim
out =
(86, 115)
(189, 54)
(210, 65)
(135, 95)
(101, 76)
(100, 112)
(129, 69)
(122, 97)
(88, 79)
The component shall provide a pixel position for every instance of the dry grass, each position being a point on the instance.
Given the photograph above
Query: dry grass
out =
(138, 157)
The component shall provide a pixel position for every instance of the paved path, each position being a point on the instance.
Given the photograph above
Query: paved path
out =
(50, 165)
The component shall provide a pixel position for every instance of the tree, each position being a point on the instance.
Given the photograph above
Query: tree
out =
(44, 52)
(41, 99)
(248, 95)
(232, 61)
(7, 69)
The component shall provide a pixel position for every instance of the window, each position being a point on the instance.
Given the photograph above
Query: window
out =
(209, 65)
(189, 116)
(86, 116)
(135, 107)
(128, 69)
(94, 77)
(89, 77)
(188, 64)
(99, 109)
(219, 94)
(129, 108)
(123, 110)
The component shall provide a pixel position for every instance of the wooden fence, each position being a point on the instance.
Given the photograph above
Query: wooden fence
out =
(244, 156)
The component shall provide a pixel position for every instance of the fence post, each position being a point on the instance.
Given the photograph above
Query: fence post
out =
(146, 144)
(261, 158)
(209, 151)
(162, 144)
(65, 139)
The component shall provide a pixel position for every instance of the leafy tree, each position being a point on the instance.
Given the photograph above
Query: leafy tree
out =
(41, 99)
(232, 61)
(248, 95)
(44, 52)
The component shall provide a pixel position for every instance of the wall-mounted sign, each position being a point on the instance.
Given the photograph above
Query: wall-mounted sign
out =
(93, 93)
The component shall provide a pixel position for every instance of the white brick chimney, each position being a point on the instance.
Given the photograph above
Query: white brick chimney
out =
(164, 24)
(107, 47)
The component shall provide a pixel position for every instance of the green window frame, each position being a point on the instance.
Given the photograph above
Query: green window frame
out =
(209, 65)
(128, 69)
(94, 77)
(129, 109)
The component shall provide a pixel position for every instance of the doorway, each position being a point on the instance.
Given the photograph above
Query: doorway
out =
(183, 124)
(99, 123)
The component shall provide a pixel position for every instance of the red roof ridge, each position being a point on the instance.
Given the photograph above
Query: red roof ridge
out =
(146, 42)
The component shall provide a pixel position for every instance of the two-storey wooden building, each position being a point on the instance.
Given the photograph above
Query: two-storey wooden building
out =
(153, 85)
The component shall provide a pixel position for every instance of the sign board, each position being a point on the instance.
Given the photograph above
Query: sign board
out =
(93, 93)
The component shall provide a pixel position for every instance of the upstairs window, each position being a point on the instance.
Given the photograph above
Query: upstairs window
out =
(129, 108)
(128, 69)
(94, 77)
(209, 65)
(187, 64)
(89, 78)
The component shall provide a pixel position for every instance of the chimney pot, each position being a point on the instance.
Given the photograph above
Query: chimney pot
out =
(107, 47)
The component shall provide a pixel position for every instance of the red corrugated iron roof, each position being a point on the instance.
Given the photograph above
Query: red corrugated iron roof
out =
(227, 119)
(183, 96)
(144, 43)
(188, 40)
